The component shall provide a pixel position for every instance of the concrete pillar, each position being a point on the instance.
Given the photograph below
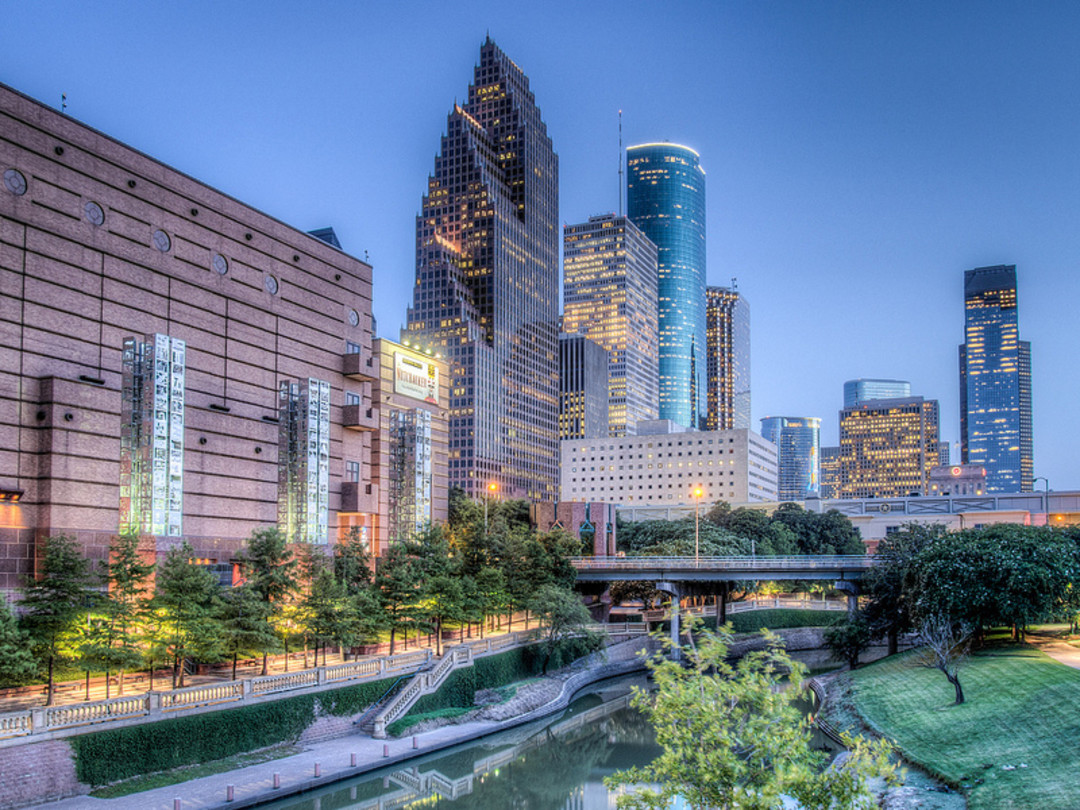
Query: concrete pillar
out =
(674, 589)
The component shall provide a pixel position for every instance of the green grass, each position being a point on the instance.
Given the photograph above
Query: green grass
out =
(137, 784)
(1021, 708)
(399, 727)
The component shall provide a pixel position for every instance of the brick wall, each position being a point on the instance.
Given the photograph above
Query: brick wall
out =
(38, 772)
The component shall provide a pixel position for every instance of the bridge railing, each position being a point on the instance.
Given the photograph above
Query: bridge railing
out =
(743, 563)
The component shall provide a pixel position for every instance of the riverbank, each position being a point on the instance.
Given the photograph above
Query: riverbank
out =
(322, 763)
(1010, 745)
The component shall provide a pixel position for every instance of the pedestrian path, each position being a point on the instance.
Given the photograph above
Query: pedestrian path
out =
(1056, 648)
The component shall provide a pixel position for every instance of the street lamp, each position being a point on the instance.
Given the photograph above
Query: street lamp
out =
(698, 492)
(1046, 496)
(492, 488)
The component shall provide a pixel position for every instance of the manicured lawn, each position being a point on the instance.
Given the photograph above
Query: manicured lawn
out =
(1022, 709)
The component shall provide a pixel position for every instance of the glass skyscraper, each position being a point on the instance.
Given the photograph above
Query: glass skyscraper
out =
(888, 447)
(609, 295)
(798, 445)
(583, 388)
(665, 192)
(487, 284)
(727, 351)
(864, 390)
(995, 382)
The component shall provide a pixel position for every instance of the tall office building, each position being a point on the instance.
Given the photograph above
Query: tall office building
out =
(798, 444)
(665, 192)
(487, 284)
(609, 295)
(995, 382)
(863, 390)
(830, 473)
(583, 388)
(727, 349)
(888, 447)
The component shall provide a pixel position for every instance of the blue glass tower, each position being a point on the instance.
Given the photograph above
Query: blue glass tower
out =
(798, 446)
(995, 382)
(665, 192)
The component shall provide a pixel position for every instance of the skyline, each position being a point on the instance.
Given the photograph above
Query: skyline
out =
(920, 142)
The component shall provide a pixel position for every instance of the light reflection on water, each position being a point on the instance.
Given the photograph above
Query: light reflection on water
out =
(556, 764)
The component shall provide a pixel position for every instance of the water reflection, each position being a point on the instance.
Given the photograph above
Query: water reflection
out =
(557, 765)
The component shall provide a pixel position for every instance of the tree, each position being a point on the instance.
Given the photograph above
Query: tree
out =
(820, 533)
(731, 737)
(564, 617)
(946, 645)
(444, 600)
(352, 562)
(329, 612)
(114, 640)
(848, 639)
(397, 581)
(889, 583)
(186, 604)
(244, 620)
(490, 589)
(270, 567)
(16, 661)
(54, 602)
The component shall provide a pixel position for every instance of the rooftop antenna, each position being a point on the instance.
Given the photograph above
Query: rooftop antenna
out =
(734, 284)
(63, 102)
(620, 164)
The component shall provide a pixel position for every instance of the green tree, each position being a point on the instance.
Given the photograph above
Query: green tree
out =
(397, 580)
(820, 532)
(444, 601)
(186, 604)
(114, 642)
(244, 620)
(54, 602)
(17, 664)
(330, 612)
(732, 738)
(271, 568)
(352, 562)
(848, 639)
(490, 588)
(563, 616)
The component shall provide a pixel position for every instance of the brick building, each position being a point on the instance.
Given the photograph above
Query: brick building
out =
(170, 358)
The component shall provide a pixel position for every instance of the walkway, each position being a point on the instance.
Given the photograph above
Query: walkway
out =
(1056, 648)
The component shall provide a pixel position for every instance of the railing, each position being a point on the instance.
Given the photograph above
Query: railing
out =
(22, 725)
(659, 614)
(744, 563)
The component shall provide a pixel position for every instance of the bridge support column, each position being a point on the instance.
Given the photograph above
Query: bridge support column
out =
(852, 591)
(674, 589)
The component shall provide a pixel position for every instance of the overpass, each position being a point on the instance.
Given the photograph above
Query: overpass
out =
(687, 576)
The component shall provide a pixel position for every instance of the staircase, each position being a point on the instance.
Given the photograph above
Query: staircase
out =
(423, 683)
(366, 722)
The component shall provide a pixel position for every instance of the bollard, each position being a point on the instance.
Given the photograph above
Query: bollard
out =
(352, 760)
(318, 770)
(277, 781)
(386, 749)
(414, 745)
(229, 793)
(175, 804)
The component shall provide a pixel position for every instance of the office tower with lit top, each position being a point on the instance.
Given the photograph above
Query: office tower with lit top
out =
(888, 447)
(487, 284)
(609, 296)
(995, 382)
(798, 444)
(863, 390)
(727, 369)
(665, 192)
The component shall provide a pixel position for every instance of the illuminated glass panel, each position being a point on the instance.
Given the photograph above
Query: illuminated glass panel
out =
(304, 460)
(411, 476)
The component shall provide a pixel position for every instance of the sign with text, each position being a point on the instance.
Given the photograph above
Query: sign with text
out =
(415, 378)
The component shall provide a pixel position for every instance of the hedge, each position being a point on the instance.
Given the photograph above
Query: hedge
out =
(777, 619)
(108, 756)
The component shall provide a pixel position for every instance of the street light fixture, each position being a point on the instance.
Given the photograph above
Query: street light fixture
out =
(492, 488)
(698, 493)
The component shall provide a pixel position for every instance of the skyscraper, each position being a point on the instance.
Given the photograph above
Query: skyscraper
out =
(665, 192)
(798, 442)
(609, 295)
(487, 276)
(583, 388)
(995, 382)
(863, 390)
(727, 350)
(888, 447)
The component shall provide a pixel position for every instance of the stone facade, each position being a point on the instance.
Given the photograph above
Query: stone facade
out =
(576, 517)
(99, 242)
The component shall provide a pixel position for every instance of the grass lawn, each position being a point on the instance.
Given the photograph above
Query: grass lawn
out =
(1022, 709)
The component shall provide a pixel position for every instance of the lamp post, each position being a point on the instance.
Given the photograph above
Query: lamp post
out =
(492, 488)
(1046, 497)
(698, 492)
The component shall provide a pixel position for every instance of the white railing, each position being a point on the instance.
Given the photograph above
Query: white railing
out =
(149, 706)
(808, 562)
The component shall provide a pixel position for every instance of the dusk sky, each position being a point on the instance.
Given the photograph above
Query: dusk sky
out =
(859, 155)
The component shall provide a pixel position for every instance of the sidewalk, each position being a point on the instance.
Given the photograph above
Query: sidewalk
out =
(1056, 649)
(255, 783)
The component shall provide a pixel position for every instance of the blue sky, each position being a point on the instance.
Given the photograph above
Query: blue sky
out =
(859, 155)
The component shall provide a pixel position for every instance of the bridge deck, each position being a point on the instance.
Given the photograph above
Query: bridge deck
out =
(718, 569)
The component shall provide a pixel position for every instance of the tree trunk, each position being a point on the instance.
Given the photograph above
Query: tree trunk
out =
(49, 689)
(234, 657)
(894, 641)
(107, 694)
(438, 637)
(174, 672)
(183, 671)
(393, 632)
(955, 681)
(266, 664)
(120, 684)
(87, 685)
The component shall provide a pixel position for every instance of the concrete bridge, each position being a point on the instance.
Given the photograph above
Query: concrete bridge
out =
(712, 576)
